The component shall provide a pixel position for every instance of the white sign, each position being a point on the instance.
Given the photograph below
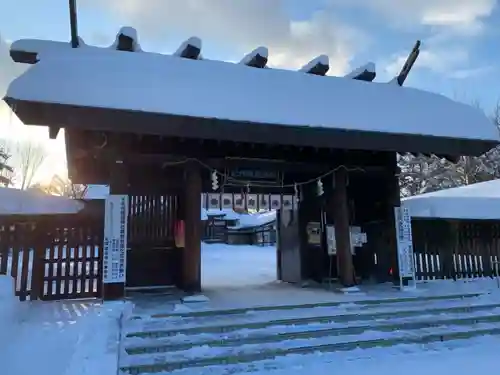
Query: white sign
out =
(406, 260)
(115, 239)
(358, 239)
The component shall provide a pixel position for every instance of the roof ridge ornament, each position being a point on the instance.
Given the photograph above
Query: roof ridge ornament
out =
(410, 61)
(318, 66)
(258, 58)
(190, 49)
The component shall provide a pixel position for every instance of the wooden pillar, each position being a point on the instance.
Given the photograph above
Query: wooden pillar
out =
(305, 212)
(342, 232)
(388, 251)
(118, 185)
(191, 264)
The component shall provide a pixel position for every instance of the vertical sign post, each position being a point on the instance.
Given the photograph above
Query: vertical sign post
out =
(406, 261)
(115, 244)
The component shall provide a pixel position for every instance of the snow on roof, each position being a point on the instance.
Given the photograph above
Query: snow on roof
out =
(321, 59)
(96, 192)
(107, 78)
(476, 201)
(132, 34)
(262, 51)
(227, 213)
(255, 220)
(193, 41)
(22, 202)
(368, 67)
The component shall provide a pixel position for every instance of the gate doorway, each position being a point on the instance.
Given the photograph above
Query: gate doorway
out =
(152, 256)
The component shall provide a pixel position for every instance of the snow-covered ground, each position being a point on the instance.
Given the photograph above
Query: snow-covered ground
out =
(57, 338)
(229, 266)
(363, 332)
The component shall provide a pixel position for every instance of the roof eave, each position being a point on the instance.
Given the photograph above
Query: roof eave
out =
(128, 121)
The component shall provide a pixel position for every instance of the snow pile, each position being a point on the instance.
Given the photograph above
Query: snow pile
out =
(255, 220)
(237, 266)
(128, 32)
(60, 338)
(263, 52)
(8, 301)
(320, 60)
(226, 213)
(476, 201)
(22, 202)
(220, 90)
(96, 192)
(193, 42)
(368, 67)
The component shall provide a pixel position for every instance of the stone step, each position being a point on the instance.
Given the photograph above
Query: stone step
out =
(156, 331)
(246, 310)
(247, 337)
(139, 364)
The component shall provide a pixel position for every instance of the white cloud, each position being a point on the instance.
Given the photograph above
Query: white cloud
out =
(451, 62)
(243, 25)
(436, 60)
(464, 16)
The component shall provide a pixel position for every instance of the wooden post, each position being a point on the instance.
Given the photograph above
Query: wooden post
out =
(342, 232)
(73, 24)
(191, 265)
(118, 185)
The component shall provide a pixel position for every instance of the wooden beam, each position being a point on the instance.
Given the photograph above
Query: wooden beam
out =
(191, 265)
(318, 66)
(257, 58)
(410, 61)
(73, 19)
(345, 264)
(190, 49)
(363, 73)
(54, 132)
(125, 121)
(124, 43)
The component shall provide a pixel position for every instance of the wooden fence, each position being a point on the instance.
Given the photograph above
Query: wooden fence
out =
(456, 250)
(54, 257)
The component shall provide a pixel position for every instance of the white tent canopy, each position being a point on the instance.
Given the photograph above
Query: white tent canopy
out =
(477, 201)
(21, 202)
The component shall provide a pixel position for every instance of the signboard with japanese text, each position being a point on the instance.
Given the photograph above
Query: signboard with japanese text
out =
(406, 260)
(115, 239)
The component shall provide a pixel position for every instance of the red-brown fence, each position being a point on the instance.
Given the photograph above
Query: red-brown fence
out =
(54, 257)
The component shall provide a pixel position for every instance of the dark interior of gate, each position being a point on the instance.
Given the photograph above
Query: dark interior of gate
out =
(160, 194)
(164, 160)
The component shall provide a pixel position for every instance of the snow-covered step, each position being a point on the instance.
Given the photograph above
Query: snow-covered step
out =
(173, 343)
(203, 356)
(282, 333)
(276, 308)
(157, 329)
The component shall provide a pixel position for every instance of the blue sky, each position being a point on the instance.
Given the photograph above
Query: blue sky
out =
(463, 64)
(460, 55)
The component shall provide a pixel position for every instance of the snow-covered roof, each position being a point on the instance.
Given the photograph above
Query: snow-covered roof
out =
(476, 201)
(105, 78)
(255, 220)
(227, 213)
(30, 202)
(96, 192)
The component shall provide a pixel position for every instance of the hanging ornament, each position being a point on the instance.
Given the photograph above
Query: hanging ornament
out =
(215, 181)
(319, 187)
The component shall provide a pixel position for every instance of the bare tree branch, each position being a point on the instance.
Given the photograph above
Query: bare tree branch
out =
(27, 158)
